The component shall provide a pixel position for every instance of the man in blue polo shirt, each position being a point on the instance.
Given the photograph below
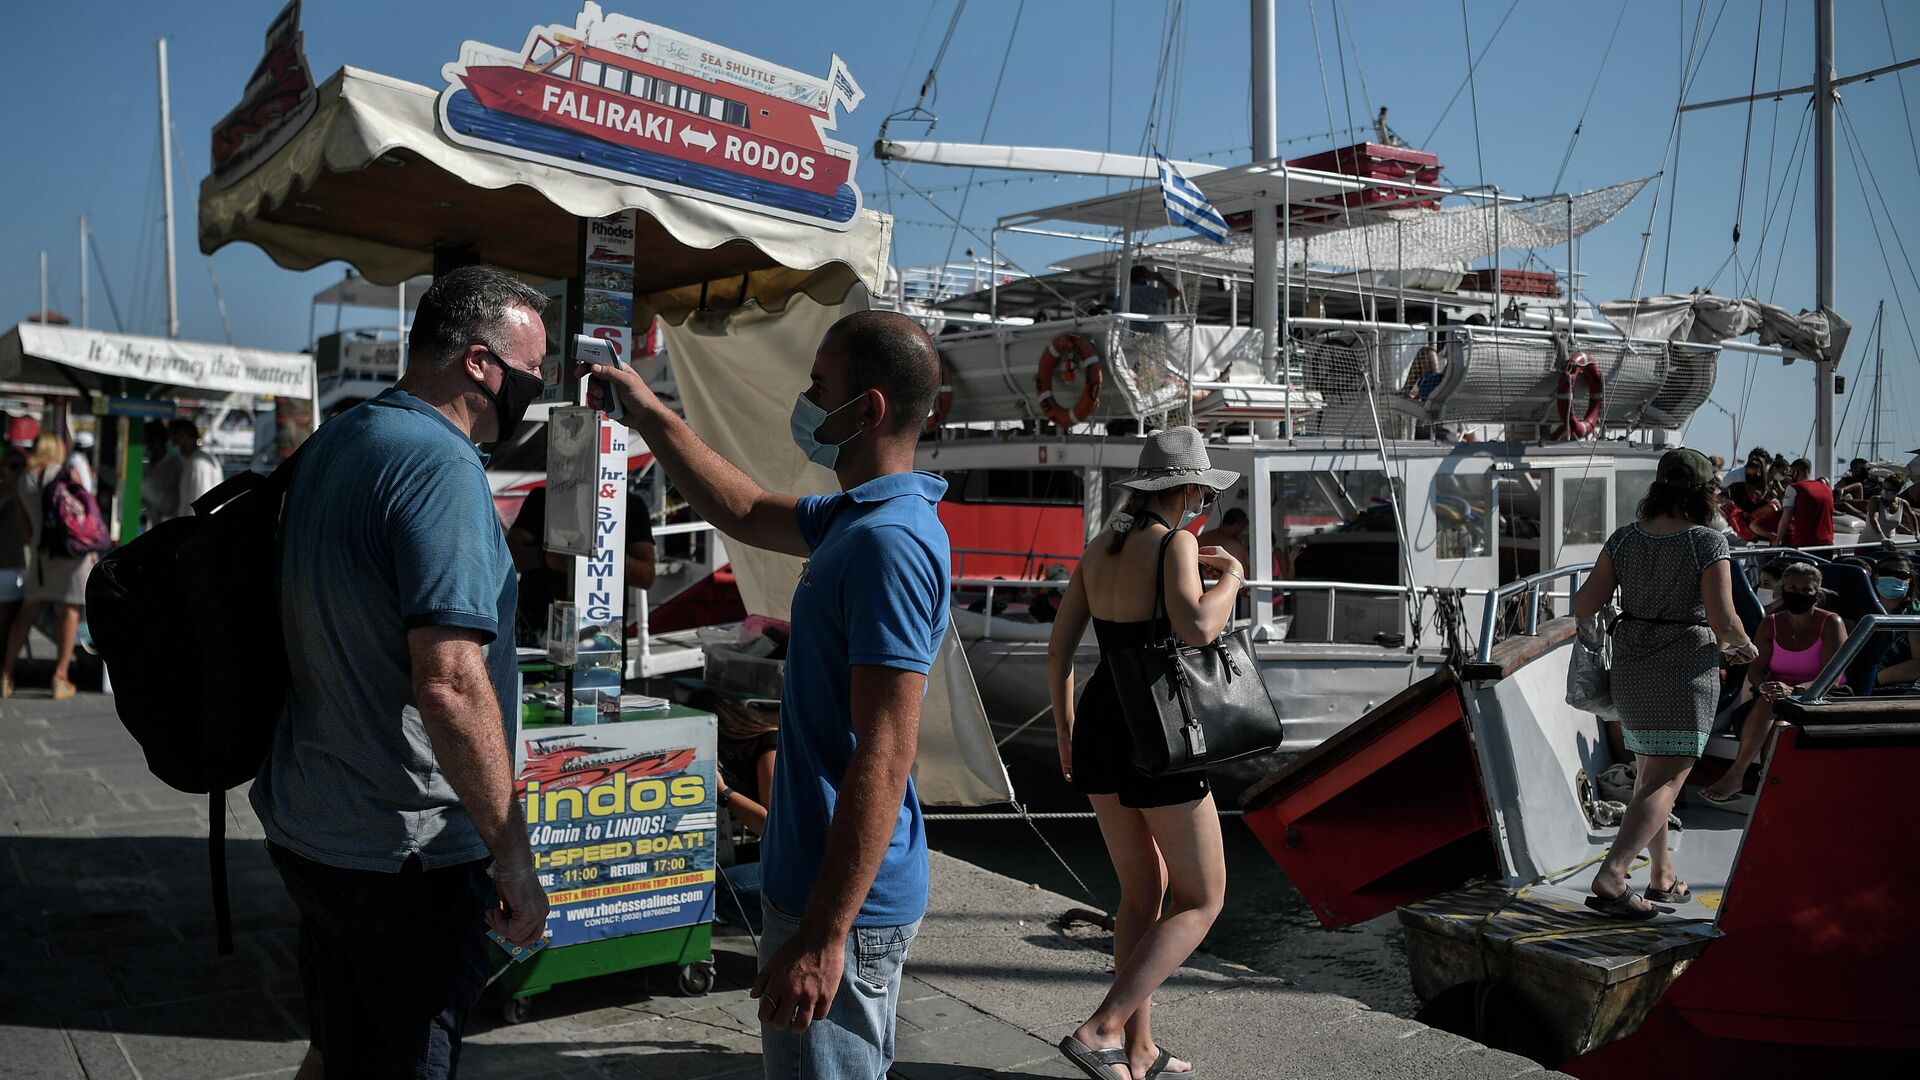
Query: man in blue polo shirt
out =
(845, 853)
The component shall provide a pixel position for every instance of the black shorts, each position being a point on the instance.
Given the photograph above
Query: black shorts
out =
(1103, 755)
(390, 962)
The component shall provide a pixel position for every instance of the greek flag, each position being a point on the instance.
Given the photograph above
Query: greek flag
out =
(1187, 206)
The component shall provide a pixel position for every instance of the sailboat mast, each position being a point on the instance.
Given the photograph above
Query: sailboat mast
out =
(1823, 198)
(86, 309)
(166, 187)
(1266, 140)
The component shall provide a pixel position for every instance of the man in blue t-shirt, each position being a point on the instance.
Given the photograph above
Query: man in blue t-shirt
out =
(845, 852)
(389, 787)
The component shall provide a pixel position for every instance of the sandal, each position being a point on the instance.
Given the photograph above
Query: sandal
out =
(1159, 1066)
(1679, 894)
(1097, 1064)
(1623, 906)
(1717, 799)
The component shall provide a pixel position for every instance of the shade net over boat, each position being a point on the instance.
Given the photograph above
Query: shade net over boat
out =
(1709, 319)
(1432, 238)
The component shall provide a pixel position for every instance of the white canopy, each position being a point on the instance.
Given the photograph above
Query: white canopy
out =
(30, 351)
(356, 291)
(371, 180)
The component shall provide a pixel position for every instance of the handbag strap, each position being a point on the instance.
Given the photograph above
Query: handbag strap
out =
(1160, 615)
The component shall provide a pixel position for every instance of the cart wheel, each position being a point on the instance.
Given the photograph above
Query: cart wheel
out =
(516, 1010)
(696, 979)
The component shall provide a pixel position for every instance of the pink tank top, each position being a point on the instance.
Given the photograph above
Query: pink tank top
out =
(1793, 666)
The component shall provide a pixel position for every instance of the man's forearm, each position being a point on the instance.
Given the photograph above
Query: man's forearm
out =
(863, 823)
(720, 493)
(466, 735)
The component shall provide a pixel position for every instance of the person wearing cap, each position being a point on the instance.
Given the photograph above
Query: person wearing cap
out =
(1162, 833)
(1675, 580)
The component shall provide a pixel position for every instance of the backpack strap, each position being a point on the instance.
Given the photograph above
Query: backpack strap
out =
(280, 479)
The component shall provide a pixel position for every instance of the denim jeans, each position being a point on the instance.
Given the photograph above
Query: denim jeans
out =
(855, 1041)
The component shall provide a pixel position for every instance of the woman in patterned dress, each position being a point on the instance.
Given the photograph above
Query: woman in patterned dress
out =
(1677, 618)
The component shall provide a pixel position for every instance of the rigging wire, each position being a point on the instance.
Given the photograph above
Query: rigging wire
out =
(1899, 300)
(1786, 234)
(1659, 178)
(1773, 144)
(1900, 81)
(1473, 97)
(1746, 145)
(100, 265)
(1013, 35)
(1340, 16)
(919, 113)
(1470, 70)
(1581, 123)
(1846, 118)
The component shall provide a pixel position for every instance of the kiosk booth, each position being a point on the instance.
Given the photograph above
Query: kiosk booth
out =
(637, 174)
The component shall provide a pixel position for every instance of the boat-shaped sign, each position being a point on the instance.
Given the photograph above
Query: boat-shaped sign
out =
(631, 101)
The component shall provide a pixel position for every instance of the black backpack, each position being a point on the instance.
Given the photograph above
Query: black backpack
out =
(187, 618)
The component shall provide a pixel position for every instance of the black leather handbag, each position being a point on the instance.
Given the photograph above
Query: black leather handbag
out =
(1189, 708)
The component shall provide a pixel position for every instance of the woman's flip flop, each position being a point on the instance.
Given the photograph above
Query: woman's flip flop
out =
(1623, 907)
(1097, 1064)
(1159, 1066)
(1679, 894)
(1718, 799)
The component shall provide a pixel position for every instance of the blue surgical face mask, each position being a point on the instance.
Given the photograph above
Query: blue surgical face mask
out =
(1187, 516)
(1891, 588)
(806, 422)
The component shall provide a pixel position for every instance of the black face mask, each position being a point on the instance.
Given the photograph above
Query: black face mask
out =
(517, 391)
(1798, 603)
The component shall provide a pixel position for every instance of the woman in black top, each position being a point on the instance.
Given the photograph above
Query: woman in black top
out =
(1163, 833)
(749, 741)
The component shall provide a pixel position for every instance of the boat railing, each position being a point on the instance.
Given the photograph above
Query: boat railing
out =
(1863, 631)
(1531, 588)
(1262, 588)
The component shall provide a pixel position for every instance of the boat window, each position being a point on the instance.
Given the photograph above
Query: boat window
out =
(1463, 516)
(590, 72)
(1335, 526)
(1629, 487)
(716, 108)
(736, 114)
(563, 69)
(615, 80)
(663, 91)
(695, 101)
(542, 55)
(1583, 519)
(1048, 487)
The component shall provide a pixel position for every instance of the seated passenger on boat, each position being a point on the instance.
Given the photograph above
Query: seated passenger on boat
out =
(1795, 643)
(1893, 579)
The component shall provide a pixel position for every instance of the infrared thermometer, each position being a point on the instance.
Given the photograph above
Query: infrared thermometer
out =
(599, 352)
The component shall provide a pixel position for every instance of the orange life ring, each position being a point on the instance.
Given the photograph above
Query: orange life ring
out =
(1077, 353)
(944, 403)
(1580, 369)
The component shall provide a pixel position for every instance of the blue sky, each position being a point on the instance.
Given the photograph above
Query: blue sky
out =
(82, 130)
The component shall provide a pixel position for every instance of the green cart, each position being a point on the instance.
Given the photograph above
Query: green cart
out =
(654, 775)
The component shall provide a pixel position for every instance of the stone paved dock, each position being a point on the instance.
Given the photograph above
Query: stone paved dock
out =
(107, 965)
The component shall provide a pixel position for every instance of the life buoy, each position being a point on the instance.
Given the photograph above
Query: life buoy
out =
(1077, 353)
(1580, 369)
(944, 403)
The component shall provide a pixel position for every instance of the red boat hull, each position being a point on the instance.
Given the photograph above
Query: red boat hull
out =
(630, 122)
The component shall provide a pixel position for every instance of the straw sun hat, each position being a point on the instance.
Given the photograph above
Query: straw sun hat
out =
(1174, 457)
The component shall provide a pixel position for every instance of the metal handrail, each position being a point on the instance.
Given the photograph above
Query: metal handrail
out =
(1849, 651)
(1490, 623)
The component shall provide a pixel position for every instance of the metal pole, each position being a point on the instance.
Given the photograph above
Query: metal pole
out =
(1569, 266)
(86, 307)
(166, 188)
(400, 328)
(1285, 319)
(1879, 368)
(1495, 321)
(41, 318)
(1266, 140)
(1400, 271)
(1823, 198)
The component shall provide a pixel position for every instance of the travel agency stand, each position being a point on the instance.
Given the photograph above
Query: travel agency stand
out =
(606, 163)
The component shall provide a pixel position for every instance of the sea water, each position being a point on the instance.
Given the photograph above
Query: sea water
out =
(1265, 925)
